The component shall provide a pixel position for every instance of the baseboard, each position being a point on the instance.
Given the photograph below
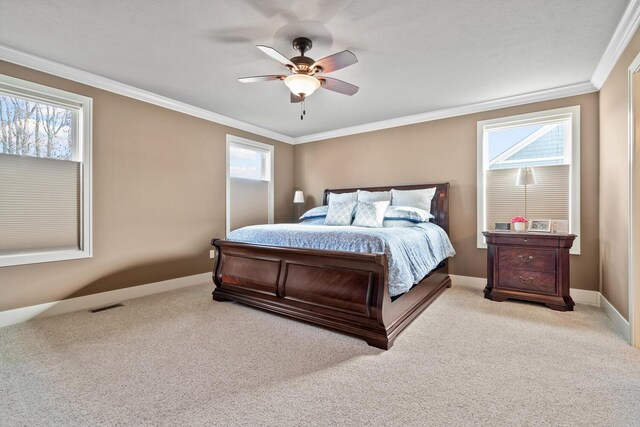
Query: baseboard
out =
(19, 315)
(620, 324)
(476, 282)
(583, 296)
(580, 296)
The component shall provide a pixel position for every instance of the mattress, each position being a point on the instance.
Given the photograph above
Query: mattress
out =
(412, 252)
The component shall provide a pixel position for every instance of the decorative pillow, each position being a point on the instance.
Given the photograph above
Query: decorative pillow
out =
(407, 213)
(320, 211)
(416, 198)
(374, 196)
(340, 213)
(388, 223)
(370, 214)
(319, 220)
(343, 197)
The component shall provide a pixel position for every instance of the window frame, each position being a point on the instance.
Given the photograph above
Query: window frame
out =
(538, 117)
(82, 111)
(269, 169)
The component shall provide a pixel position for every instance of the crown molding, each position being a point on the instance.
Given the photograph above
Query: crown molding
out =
(619, 41)
(623, 34)
(511, 101)
(50, 67)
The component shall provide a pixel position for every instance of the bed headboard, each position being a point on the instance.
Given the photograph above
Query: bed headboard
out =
(439, 204)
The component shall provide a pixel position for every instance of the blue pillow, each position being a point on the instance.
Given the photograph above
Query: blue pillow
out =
(319, 212)
(408, 213)
(395, 223)
(314, 221)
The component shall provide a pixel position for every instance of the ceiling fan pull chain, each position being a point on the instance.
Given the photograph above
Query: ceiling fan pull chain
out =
(303, 110)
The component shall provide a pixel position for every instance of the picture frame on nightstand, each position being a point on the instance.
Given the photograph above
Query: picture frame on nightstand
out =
(502, 226)
(540, 225)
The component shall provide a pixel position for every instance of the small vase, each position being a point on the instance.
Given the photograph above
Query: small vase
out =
(520, 226)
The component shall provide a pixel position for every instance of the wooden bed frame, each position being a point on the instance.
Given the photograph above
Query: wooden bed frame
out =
(345, 291)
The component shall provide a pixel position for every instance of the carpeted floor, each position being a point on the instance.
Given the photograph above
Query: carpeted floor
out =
(181, 359)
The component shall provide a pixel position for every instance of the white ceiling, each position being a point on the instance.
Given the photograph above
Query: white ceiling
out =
(415, 56)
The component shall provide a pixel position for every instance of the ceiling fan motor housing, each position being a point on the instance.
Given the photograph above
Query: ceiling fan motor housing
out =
(302, 45)
(303, 63)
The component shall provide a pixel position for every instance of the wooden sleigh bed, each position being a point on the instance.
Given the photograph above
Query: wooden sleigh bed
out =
(345, 291)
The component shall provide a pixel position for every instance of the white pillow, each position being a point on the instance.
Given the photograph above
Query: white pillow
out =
(343, 197)
(374, 196)
(370, 214)
(340, 213)
(416, 198)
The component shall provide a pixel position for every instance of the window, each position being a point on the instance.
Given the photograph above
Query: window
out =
(249, 162)
(45, 173)
(549, 143)
(249, 183)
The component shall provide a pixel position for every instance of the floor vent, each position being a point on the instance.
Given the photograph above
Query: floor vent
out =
(108, 307)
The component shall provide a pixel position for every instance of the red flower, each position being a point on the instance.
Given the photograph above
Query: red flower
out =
(519, 219)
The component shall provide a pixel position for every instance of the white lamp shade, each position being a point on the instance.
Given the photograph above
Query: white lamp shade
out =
(526, 176)
(301, 84)
(298, 197)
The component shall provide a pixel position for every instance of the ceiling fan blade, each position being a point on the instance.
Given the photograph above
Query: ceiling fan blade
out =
(338, 86)
(276, 55)
(295, 98)
(254, 79)
(336, 61)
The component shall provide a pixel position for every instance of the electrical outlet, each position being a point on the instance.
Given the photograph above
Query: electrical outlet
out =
(212, 253)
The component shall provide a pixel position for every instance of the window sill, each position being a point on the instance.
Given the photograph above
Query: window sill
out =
(42, 257)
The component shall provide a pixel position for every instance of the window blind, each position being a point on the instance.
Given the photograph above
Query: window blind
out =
(547, 199)
(249, 202)
(40, 204)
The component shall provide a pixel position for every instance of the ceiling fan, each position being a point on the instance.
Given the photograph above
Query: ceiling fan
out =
(303, 79)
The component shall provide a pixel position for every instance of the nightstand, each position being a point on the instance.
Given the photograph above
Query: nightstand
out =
(529, 266)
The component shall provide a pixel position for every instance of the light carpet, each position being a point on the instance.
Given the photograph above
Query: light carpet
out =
(179, 358)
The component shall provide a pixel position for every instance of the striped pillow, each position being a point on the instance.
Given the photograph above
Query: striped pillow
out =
(416, 198)
(342, 197)
(374, 196)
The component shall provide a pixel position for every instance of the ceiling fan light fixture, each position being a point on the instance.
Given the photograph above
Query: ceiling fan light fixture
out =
(302, 84)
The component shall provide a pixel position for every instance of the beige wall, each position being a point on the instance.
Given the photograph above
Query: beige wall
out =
(445, 151)
(159, 198)
(155, 210)
(614, 177)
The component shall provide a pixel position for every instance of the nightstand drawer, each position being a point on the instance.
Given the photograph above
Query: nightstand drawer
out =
(527, 280)
(527, 259)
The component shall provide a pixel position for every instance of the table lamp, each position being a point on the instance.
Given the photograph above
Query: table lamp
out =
(298, 199)
(525, 177)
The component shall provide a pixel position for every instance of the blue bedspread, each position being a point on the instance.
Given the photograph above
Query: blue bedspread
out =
(412, 252)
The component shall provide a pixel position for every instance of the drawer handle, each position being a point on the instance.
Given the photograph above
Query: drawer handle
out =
(525, 259)
(527, 280)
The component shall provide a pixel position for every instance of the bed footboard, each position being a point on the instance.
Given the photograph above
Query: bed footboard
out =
(345, 291)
